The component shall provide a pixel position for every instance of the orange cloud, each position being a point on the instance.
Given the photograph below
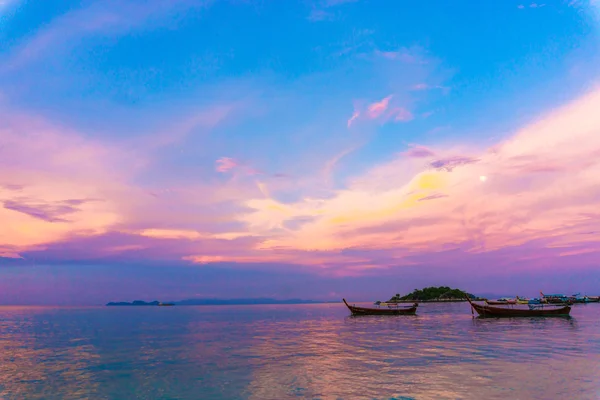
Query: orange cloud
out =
(521, 200)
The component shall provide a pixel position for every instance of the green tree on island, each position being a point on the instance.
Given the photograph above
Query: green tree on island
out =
(432, 293)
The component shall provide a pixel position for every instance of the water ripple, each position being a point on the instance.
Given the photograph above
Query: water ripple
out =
(294, 352)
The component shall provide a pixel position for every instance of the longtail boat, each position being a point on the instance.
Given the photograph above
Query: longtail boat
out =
(501, 301)
(556, 298)
(534, 310)
(577, 298)
(522, 300)
(594, 299)
(387, 310)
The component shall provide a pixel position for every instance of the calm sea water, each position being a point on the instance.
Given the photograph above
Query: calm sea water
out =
(294, 352)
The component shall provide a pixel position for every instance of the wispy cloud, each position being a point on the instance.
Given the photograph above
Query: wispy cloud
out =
(320, 15)
(98, 18)
(226, 164)
(353, 118)
(321, 10)
(433, 196)
(407, 55)
(448, 164)
(231, 165)
(532, 5)
(425, 86)
(381, 110)
(399, 55)
(419, 152)
(203, 119)
(4, 4)
(375, 110)
(331, 3)
(50, 212)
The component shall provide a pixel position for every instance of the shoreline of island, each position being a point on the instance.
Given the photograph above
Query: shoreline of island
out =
(440, 294)
(218, 302)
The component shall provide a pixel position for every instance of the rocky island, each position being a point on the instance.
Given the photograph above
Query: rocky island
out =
(139, 303)
(433, 294)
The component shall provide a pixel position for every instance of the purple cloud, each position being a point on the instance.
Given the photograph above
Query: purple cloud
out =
(448, 164)
(49, 212)
(419, 152)
(433, 197)
(12, 187)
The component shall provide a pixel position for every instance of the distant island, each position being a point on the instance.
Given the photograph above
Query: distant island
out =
(261, 300)
(433, 294)
(139, 303)
(217, 302)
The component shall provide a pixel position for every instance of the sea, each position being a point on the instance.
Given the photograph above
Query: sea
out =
(279, 352)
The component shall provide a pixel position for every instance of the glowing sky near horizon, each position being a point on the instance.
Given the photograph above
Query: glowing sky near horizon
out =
(311, 149)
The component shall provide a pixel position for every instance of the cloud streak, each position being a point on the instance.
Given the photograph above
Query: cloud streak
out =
(382, 111)
(49, 212)
(99, 18)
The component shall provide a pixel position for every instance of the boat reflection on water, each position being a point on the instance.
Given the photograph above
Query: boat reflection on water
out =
(526, 323)
(434, 356)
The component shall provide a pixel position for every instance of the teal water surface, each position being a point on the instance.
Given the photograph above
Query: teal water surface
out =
(294, 352)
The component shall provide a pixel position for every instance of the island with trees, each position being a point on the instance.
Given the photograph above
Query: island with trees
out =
(433, 294)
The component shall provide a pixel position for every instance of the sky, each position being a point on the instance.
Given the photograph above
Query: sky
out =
(315, 149)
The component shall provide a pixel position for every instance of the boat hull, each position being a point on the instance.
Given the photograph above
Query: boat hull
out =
(498, 303)
(382, 311)
(499, 312)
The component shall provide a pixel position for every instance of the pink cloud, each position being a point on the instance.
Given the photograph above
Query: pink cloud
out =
(383, 111)
(226, 164)
(353, 118)
(378, 108)
(57, 185)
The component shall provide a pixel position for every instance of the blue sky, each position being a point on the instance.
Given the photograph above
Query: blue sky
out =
(246, 118)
